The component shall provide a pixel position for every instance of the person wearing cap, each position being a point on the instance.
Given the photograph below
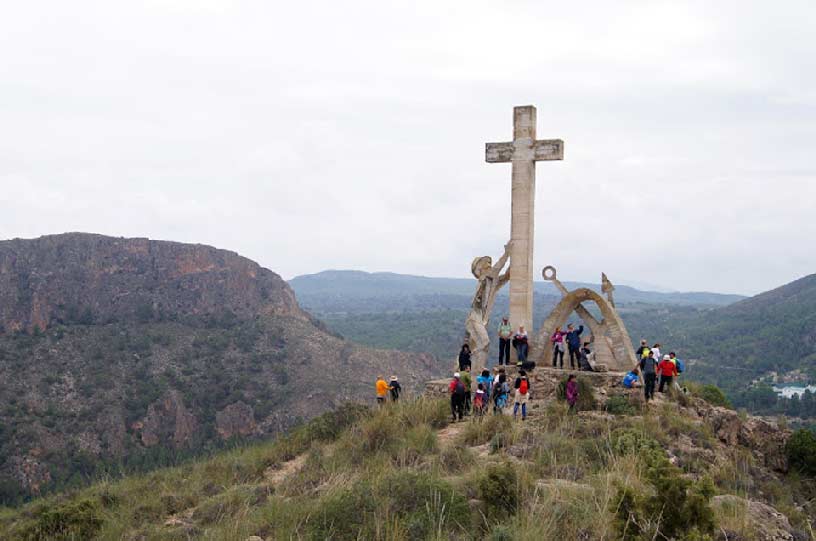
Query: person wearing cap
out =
(394, 388)
(505, 337)
(667, 371)
(382, 390)
(457, 392)
(649, 367)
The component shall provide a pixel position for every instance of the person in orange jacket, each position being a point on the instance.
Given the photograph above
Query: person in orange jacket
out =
(667, 370)
(382, 390)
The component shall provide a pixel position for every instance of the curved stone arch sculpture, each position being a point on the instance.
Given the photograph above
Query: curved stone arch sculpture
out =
(611, 341)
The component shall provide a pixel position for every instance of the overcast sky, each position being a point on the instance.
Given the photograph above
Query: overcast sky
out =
(315, 135)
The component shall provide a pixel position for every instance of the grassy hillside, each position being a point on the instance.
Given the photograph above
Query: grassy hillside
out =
(404, 472)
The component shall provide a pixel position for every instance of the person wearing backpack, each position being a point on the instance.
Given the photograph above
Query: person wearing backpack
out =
(667, 371)
(648, 367)
(457, 392)
(643, 351)
(522, 387)
(681, 367)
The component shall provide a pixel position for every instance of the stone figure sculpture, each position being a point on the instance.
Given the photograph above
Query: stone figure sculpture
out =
(491, 279)
(610, 340)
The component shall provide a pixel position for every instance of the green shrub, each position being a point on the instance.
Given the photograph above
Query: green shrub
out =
(480, 431)
(674, 508)
(586, 394)
(499, 489)
(76, 520)
(422, 503)
(801, 452)
(619, 405)
(710, 393)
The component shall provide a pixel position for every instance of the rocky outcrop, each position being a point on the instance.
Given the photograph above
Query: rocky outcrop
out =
(151, 344)
(765, 438)
(168, 422)
(83, 278)
(764, 522)
(237, 419)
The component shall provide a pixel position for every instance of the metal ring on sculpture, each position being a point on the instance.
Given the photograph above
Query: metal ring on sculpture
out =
(545, 270)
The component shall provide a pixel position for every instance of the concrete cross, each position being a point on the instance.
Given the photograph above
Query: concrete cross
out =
(523, 152)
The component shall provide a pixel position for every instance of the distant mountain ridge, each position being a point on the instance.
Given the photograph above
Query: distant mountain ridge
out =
(349, 284)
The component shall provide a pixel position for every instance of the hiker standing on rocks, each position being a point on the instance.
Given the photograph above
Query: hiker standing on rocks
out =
(667, 371)
(574, 344)
(382, 390)
(522, 387)
(457, 392)
(571, 391)
(643, 351)
(464, 357)
(521, 345)
(557, 340)
(505, 336)
(648, 367)
(395, 388)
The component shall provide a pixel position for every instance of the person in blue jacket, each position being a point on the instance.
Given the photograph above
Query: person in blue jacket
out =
(574, 343)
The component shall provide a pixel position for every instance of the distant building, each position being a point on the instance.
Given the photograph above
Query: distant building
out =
(789, 391)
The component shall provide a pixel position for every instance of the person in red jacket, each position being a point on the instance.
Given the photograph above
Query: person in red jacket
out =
(667, 370)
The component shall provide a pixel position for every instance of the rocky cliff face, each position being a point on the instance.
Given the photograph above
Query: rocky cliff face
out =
(130, 352)
(81, 278)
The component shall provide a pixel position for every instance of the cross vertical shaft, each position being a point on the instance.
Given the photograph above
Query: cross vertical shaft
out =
(523, 152)
(522, 221)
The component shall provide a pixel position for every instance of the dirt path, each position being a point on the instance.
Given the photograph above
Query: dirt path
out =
(276, 475)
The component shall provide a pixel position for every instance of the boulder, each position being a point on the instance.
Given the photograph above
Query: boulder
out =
(762, 520)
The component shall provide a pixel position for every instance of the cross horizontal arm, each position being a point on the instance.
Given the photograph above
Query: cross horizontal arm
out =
(542, 150)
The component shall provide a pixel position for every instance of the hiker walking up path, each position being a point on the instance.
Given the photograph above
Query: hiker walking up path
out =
(457, 394)
(667, 371)
(648, 367)
(522, 395)
(382, 390)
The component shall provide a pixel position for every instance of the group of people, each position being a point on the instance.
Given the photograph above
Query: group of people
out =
(562, 341)
(518, 340)
(490, 389)
(570, 340)
(387, 388)
(656, 372)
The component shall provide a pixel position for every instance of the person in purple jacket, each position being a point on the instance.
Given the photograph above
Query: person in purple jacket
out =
(572, 392)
